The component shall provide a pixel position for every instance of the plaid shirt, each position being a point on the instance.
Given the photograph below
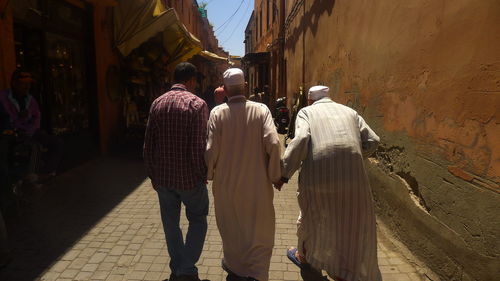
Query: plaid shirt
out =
(175, 140)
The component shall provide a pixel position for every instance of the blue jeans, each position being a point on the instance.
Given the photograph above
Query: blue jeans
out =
(184, 255)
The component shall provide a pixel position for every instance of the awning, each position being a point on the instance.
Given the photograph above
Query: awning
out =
(212, 56)
(136, 21)
(179, 43)
(251, 58)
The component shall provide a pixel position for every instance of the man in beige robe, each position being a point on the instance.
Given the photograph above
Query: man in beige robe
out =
(336, 227)
(243, 160)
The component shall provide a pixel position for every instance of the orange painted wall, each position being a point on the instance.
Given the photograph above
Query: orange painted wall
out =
(109, 111)
(269, 33)
(431, 69)
(426, 77)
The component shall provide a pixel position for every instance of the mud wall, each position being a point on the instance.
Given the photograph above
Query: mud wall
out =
(7, 50)
(110, 112)
(426, 77)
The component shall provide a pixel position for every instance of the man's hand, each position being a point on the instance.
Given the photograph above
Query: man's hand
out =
(278, 185)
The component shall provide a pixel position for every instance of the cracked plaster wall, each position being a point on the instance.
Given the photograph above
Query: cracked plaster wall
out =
(426, 76)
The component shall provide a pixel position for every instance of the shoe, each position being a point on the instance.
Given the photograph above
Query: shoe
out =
(292, 256)
(172, 277)
(186, 277)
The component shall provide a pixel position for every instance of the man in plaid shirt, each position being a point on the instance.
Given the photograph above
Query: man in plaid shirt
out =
(174, 148)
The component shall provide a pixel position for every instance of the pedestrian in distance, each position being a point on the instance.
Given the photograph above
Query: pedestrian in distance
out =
(243, 159)
(220, 95)
(336, 227)
(174, 149)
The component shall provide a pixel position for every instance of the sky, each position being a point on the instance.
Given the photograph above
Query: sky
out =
(230, 31)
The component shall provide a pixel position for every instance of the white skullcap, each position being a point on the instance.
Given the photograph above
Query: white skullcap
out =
(318, 92)
(233, 76)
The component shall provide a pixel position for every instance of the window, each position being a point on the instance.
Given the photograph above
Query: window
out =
(257, 29)
(275, 11)
(260, 22)
(267, 18)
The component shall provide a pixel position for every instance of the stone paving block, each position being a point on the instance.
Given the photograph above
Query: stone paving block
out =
(151, 252)
(388, 269)
(89, 267)
(276, 275)
(396, 261)
(136, 275)
(129, 244)
(112, 239)
(50, 276)
(417, 277)
(78, 263)
(83, 276)
(142, 266)
(214, 270)
(69, 273)
(87, 252)
(115, 278)
(97, 258)
(383, 261)
(397, 277)
(105, 266)
(152, 275)
(95, 244)
(107, 245)
(147, 259)
(406, 268)
(287, 275)
(71, 255)
(158, 267)
(125, 260)
(112, 259)
(212, 262)
(117, 250)
(60, 266)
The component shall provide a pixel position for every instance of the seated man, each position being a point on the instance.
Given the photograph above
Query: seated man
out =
(24, 116)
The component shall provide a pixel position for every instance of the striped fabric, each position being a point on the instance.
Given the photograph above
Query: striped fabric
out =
(336, 227)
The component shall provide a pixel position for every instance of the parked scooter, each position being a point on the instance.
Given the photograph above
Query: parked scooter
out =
(282, 116)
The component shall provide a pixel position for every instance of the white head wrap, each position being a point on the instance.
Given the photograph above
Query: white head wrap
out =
(234, 76)
(318, 92)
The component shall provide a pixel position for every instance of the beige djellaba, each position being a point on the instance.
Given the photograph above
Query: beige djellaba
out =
(243, 159)
(336, 226)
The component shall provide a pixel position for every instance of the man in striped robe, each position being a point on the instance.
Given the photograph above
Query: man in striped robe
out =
(336, 227)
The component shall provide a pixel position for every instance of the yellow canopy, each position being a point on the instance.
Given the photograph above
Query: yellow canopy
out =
(179, 43)
(136, 21)
(212, 56)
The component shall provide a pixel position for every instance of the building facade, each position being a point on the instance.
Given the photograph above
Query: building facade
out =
(425, 79)
(95, 81)
(263, 60)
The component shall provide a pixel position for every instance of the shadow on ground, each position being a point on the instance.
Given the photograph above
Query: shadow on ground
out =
(66, 210)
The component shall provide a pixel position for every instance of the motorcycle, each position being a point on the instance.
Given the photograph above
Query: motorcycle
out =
(282, 116)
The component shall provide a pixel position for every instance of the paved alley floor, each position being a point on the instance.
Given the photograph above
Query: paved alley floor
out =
(101, 221)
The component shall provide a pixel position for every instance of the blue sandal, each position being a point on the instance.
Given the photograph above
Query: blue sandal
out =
(291, 254)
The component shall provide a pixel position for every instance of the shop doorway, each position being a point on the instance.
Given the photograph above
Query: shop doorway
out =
(51, 40)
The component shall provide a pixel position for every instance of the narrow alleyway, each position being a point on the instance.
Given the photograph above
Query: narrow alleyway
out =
(101, 222)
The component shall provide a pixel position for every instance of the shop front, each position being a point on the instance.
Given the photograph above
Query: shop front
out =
(53, 40)
(257, 70)
(152, 40)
